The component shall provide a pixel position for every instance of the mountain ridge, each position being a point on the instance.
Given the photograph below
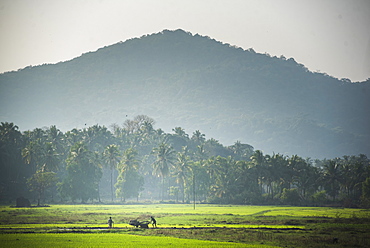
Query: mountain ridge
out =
(193, 81)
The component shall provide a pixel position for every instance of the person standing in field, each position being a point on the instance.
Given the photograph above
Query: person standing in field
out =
(154, 222)
(110, 222)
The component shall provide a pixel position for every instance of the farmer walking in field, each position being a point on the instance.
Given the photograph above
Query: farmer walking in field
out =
(154, 222)
(110, 222)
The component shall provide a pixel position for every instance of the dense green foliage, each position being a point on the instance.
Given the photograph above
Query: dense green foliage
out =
(83, 174)
(137, 161)
(198, 83)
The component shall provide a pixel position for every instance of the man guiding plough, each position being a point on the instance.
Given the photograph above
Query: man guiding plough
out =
(154, 222)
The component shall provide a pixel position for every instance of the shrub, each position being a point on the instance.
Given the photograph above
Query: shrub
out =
(319, 198)
(290, 196)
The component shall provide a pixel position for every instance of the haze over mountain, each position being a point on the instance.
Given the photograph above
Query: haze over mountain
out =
(197, 83)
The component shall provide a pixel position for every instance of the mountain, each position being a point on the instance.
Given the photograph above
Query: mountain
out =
(197, 83)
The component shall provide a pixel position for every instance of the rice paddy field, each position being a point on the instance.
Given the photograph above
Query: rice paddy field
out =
(180, 225)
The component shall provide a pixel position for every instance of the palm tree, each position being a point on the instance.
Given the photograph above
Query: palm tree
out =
(198, 137)
(226, 178)
(50, 158)
(11, 143)
(55, 136)
(354, 173)
(83, 174)
(259, 161)
(273, 170)
(9, 132)
(31, 154)
(78, 153)
(111, 156)
(307, 179)
(294, 163)
(332, 177)
(237, 149)
(129, 182)
(146, 128)
(164, 160)
(183, 167)
(73, 136)
(200, 153)
(38, 134)
(129, 161)
(180, 132)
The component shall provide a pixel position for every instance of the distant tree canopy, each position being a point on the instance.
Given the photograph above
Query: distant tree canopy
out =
(147, 163)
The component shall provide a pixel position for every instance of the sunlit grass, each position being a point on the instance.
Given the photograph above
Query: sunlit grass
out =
(126, 226)
(53, 226)
(168, 215)
(319, 212)
(107, 240)
(246, 225)
(155, 208)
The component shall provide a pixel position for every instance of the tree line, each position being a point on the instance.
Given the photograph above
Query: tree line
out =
(135, 161)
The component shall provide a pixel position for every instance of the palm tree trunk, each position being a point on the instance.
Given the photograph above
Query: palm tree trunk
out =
(99, 192)
(194, 188)
(183, 193)
(111, 183)
(39, 198)
(271, 190)
(162, 187)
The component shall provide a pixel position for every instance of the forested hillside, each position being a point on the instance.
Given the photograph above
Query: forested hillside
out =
(196, 83)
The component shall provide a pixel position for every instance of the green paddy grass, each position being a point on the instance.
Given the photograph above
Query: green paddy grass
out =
(283, 226)
(127, 226)
(107, 240)
(318, 212)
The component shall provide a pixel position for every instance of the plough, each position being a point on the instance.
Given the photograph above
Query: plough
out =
(141, 224)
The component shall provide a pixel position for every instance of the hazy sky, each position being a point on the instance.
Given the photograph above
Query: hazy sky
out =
(331, 36)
